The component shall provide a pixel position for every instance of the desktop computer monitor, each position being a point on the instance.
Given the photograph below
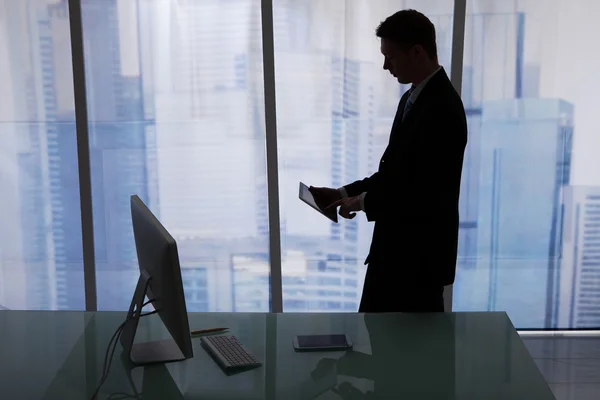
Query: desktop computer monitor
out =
(160, 281)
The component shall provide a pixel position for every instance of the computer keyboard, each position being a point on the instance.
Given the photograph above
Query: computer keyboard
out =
(229, 353)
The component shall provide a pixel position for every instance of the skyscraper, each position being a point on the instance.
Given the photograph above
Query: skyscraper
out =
(504, 49)
(12, 263)
(469, 185)
(500, 93)
(201, 67)
(518, 216)
(119, 128)
(578, 293)
(325, 115)
(50, 274)
(331, 118)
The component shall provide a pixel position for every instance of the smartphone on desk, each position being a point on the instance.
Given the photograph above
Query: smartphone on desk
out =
(322, 343)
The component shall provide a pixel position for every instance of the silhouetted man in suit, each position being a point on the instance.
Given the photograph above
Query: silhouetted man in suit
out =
(413, 197)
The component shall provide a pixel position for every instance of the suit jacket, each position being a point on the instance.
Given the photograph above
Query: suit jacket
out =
(413, 197)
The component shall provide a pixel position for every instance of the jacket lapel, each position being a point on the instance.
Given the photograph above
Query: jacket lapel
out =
(424, 97)
(399, 112)
(401, 128)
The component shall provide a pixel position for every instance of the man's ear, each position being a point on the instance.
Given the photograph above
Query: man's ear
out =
(417, 50)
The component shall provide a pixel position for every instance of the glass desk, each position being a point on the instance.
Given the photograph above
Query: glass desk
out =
(59, 355)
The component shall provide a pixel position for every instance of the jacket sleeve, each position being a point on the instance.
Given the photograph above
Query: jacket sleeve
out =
(361, 186)
(432, 177)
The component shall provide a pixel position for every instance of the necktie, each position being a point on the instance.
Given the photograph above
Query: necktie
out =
(408, 104)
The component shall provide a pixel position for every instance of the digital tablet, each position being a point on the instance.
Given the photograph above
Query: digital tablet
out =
(307, 197)
(322, 342)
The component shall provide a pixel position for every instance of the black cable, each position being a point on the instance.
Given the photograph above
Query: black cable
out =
(114, 340)
(148, 302)
(106, 365)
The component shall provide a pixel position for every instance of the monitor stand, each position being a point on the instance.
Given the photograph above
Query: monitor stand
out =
(160, 351)
(157, 382)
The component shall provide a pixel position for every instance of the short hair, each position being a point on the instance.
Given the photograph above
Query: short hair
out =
(409, 28)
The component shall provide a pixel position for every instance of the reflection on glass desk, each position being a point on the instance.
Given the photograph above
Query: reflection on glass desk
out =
(59, 355)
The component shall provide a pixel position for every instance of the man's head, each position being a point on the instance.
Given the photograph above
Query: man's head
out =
(408, 46)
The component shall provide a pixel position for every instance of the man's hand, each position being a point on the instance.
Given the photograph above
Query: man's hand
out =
(324, 196)
(348, 206)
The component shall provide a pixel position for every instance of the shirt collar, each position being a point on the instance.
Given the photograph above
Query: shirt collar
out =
(419, 88)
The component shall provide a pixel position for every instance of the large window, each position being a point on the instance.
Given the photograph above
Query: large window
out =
(176, 115)
(335, 106)
(531, 183)
(40, 224)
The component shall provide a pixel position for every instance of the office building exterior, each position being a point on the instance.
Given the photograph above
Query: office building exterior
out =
(519, 216)
(218, 214)
(577, 290)
(318, 143)
(205, 82)
(48, 269)
(483, 59)
(12, 147)
(518, 159)
(47, 155)
(469, 185)
(119, 131)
